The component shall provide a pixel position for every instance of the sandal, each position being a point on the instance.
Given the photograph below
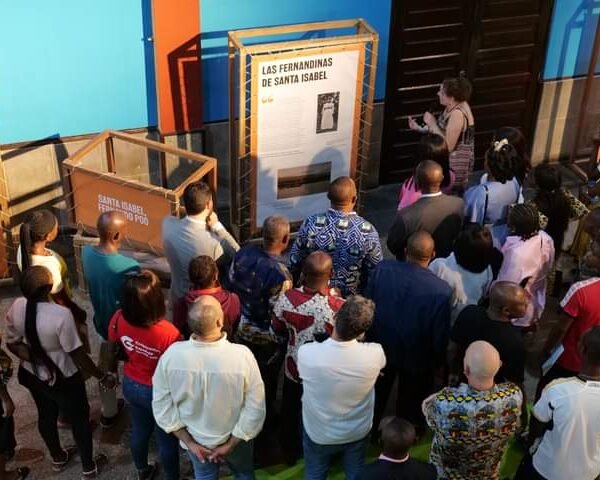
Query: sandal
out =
(70, 452)
(148, 473)
(100, 461)
(22, 473)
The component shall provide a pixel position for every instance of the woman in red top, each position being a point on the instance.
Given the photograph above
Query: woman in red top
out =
(140, 327)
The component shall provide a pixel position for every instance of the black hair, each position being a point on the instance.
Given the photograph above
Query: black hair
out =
(459, 88)
(524, 220)
(195, 197)
(36, 284)
(202, 271)
(433, 147)
(142, 302)
(35, 228)
(474, 247)
(398, 436)
(354, 317)
(516, 138)
(552, 201)
(502, 161)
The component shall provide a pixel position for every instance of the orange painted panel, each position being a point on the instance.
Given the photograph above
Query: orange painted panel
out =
(178, 64)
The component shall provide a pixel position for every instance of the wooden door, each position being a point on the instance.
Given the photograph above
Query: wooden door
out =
(500, 44)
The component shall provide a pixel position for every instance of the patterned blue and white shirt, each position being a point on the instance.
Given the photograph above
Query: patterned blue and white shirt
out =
(352, 242)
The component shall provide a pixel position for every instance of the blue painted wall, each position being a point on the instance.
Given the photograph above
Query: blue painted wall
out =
(219, 16)
(73, 67)
(571, 38)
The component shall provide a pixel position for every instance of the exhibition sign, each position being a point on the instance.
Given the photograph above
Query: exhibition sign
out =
(96, 187)
(304, 118)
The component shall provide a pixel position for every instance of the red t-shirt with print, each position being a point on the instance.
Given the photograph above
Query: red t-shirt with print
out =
(143, 345)
(582, 302)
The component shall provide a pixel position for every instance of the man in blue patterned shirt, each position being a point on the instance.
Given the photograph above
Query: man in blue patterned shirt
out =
(352, 242)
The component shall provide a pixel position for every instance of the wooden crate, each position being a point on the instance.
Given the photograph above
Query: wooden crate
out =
(95, 181)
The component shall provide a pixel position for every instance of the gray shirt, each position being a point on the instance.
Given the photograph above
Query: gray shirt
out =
(440, 215)
(186, 238)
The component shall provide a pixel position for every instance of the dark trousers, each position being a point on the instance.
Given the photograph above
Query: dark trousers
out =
(269, 371)
(413, 388)
(291, 419)
(527, 471)
(139, 398)
(70, 399)
(554, 373)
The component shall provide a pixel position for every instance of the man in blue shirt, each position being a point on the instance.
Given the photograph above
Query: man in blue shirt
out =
(105, 270)
(258, 276)
(412, 324)
(352, 242)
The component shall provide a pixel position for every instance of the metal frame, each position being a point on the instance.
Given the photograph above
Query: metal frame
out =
(73, 166)
(242, 181)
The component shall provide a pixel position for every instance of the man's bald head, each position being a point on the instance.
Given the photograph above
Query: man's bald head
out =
(420, 247)
(205, 316)
(482, 362)
(342, 192)
(429, 176)
(110, 225)
(509, 300)
(276, 230)
(317, 269)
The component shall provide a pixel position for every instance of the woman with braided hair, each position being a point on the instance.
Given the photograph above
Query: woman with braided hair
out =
(37, 231)
(43, 336)
(528, 259)
(488, 202)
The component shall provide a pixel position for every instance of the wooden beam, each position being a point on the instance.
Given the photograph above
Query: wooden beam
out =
(587, 89)
(305, 44)
(76, 158)
(296, 28)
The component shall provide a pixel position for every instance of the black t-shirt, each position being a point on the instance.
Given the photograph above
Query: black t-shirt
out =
(474, 324)
(411, 469)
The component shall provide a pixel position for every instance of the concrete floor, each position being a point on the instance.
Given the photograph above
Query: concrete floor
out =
(380, 207)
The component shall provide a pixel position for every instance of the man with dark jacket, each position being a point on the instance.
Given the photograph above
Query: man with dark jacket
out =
(436, 213)
(412, 324)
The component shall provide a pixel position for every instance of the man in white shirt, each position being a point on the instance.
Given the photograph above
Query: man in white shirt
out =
(198, 233)
(208, 392)
(338, 377)
(567, 418)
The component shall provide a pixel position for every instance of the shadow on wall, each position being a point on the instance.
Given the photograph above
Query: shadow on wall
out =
(566, 97)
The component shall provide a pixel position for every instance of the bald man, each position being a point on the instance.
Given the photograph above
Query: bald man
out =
(473, 422)
(435, 212)
(494, 325)
(105, 269)
(218, 419)
(352, 242)
(301, 315)
(259, 275)
(412, 323)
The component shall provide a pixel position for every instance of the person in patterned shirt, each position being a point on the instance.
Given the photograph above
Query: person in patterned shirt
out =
(352, 242)
(302, 315)
(473, 422)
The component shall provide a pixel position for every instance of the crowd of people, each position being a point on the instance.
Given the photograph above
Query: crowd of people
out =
(447, 321)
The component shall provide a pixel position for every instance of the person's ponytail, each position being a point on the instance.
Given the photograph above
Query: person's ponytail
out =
(36, 284)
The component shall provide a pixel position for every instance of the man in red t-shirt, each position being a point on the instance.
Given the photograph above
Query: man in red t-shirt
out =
(302, 315)
(581, 312)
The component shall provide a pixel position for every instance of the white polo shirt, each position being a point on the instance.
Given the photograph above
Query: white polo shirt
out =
(571, 449)
(339, 396)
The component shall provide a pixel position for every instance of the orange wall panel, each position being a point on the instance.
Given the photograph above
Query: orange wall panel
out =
(178, 64)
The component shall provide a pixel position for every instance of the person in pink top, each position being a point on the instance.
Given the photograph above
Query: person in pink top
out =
(432, 147)
(528, 259)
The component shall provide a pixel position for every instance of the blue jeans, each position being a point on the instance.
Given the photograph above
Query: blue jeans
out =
(139, 398)
(318, 458)
(240, 461)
